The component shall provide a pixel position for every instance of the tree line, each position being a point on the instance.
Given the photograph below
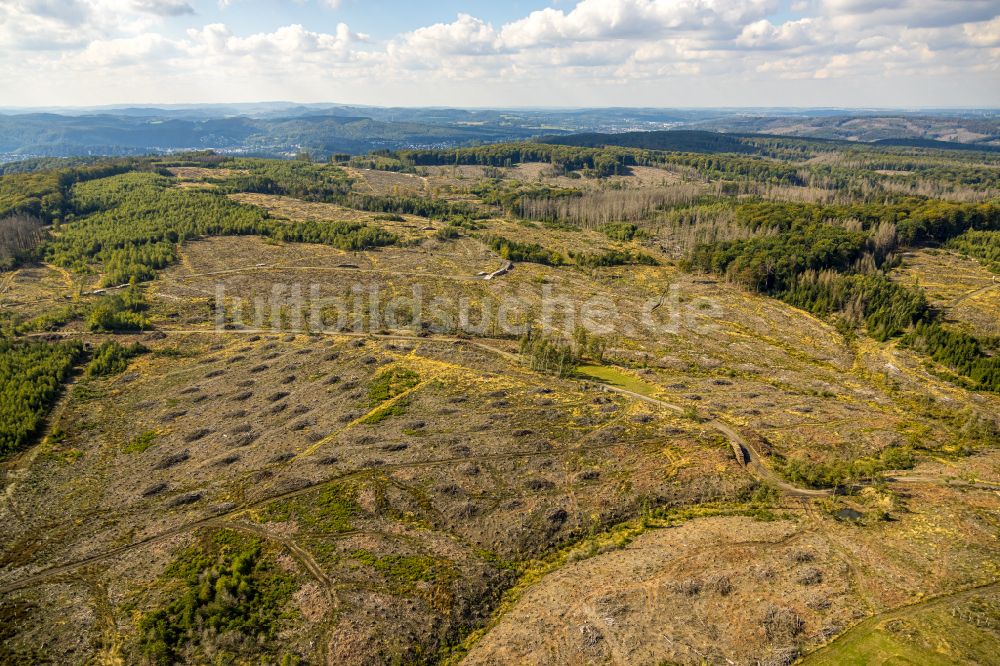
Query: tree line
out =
(982, 245)
(839, 269)
(137, 219)
(46, 194)
(528, 252)
(31, 374)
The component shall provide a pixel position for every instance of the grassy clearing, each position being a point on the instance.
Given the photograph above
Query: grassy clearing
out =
(388, 394)
(390, 384)
(944, 276)
(403, 572)
(140, 442)
(940, 633)
(871, 645)
(329, 510)
(613, 376)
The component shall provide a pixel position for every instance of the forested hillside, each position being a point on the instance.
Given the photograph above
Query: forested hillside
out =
(701, 141)
(280, 130)
(54, 135)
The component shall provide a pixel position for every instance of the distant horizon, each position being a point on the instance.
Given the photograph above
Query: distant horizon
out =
(460, 107)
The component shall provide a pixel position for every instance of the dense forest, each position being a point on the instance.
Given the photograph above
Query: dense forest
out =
(293, 178)
(688, 141)
(46, 194)
(981, 244)
(715, 142)
(110, 358)
(832, 268)
(31, 373)
(133, 222)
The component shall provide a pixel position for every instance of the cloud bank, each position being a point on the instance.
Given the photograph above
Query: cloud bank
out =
(597, 52)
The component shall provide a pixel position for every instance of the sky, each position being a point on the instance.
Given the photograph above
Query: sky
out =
(478, 53)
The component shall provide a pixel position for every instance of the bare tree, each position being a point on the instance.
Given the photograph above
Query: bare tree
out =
(19, 235)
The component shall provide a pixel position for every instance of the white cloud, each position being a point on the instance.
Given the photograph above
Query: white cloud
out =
(163, 7)
(466, 35)
(986, 33)
(128, 50)
(911, 13)
(631, 19)
(329, 4)
(643, 46)
(790, 35)
(60, 24)
(216, 39)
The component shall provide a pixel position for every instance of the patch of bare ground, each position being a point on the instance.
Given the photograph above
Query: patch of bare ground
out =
(372, 181)
(457, 172)
(33, 290)
(290, 208)
(189, 173)
(959, 285)
(734, 590)
(645, 176)
(403, 514)
(250, 268)
(707, 345)
(404, 518)
(679, 595)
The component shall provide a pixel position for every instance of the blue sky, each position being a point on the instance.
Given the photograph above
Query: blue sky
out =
(901, 53)
(382, 19)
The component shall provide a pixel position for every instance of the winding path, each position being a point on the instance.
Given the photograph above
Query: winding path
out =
(974, 292)
(752, 459)
(871, 620)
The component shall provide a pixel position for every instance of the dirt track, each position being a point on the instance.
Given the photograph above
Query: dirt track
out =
(972, 293)
(753, 458)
